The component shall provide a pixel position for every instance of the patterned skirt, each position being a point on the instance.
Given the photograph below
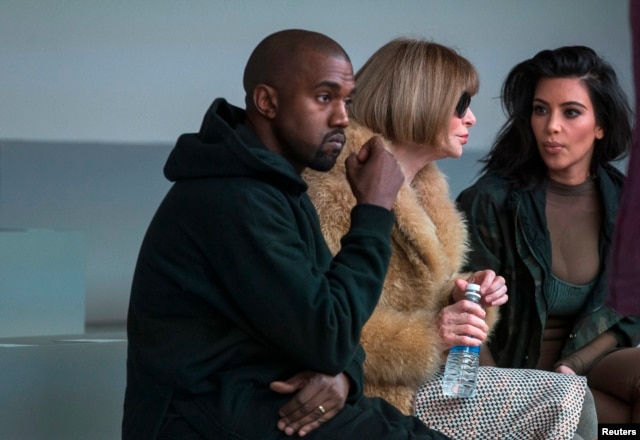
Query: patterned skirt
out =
(509, 404)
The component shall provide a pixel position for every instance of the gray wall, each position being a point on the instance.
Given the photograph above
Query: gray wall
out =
(94, 93)
(106, 191)
(145, 70)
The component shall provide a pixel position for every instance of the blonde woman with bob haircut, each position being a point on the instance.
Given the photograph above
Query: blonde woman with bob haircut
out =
(415, 94)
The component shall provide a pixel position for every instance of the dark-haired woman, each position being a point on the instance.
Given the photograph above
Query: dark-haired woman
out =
(542, 215)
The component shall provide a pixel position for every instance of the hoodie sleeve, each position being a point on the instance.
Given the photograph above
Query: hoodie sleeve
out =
(279, 280)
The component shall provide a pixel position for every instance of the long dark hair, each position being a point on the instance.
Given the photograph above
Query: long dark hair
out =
(514, 153)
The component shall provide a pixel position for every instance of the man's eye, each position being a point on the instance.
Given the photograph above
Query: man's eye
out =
(324, 98)
(348, 102)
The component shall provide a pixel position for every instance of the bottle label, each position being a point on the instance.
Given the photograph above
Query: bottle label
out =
(465, 349)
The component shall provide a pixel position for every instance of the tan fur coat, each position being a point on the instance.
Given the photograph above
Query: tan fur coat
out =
(428, 248)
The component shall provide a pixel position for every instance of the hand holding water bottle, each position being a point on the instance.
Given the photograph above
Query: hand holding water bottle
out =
(463, 320)
(461, 368)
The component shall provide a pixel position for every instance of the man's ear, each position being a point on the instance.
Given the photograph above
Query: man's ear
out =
(265, 99)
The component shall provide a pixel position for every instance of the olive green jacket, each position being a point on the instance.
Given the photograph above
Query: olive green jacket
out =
(508, 233)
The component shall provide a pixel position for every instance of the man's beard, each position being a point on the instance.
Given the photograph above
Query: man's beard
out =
(322, 163)
(326, 161)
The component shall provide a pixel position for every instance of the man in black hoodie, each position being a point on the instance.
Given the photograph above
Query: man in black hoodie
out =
(241, 325)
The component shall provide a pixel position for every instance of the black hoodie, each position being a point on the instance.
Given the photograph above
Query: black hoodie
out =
(235, 287)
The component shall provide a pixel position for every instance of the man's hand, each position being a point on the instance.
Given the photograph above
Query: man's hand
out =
(374, 174)
(318, 398)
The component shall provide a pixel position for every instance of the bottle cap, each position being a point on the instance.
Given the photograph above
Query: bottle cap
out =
(473, 292)
(473, 287)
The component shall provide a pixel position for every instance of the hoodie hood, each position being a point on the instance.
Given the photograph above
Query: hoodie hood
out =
(226, 147)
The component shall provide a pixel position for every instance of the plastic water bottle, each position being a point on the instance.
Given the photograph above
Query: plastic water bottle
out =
(461, 369)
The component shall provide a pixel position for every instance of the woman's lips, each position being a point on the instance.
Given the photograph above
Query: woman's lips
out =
(552, 147)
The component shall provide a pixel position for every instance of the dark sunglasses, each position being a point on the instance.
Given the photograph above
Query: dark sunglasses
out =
(463, 105)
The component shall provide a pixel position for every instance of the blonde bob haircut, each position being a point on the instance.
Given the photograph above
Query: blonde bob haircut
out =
(408, 89)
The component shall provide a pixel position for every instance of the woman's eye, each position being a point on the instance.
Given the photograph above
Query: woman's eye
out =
(572, 112)
(539, 110)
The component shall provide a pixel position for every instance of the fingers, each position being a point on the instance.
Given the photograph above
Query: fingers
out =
(497, 298)
(469, 326)
(352, 160)
(374, 175)
(282, 387)
(363, 154)
(565, 370)
(320, 398)
(495, 294)
(307, 418)
(292, 384)
(464, 311)
(462, 324)
(493, 287)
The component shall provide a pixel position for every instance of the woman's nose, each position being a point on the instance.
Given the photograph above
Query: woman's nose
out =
(469, 118)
